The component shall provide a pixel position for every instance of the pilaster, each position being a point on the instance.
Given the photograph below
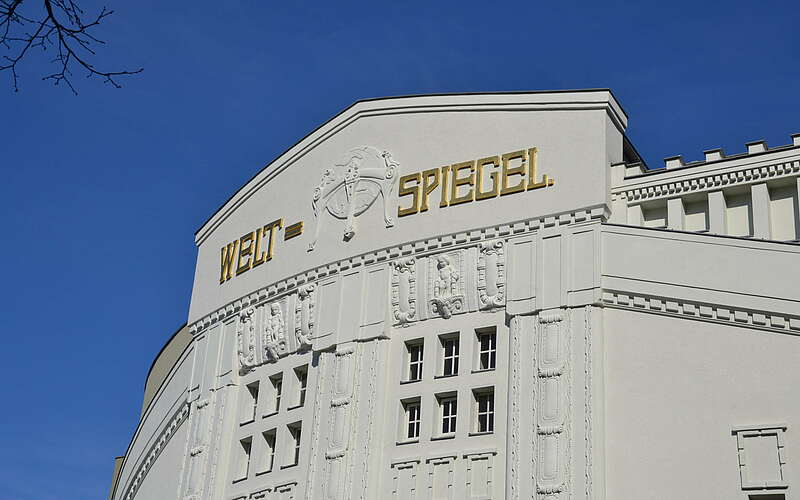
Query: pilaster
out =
(675, 213)
(760, 200)
(716, 213)
(635, 215)
(797, 212)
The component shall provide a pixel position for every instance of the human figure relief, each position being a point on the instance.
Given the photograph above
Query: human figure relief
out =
(446, 277)
(274, 340)
(446, 283)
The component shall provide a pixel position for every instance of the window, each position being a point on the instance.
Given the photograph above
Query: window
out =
(412, 414)
(295, 430)
(277, 388)
(487, 350)
(302, 381)
(250, 403)
(415, 352)
(484, 403)
(243, 460)
(448, 406)
(450, 355)
(269, 450)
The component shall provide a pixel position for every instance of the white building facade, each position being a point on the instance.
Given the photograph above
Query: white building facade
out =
(485, 296)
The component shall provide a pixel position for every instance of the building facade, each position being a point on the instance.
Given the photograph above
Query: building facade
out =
(485, 296)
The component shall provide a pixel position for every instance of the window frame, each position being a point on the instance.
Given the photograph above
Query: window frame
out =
(408, 423)
(270, 438)
(296, 434)
(453, 357)
(448, 413)
(489, 413)
(411, 363)
(250, 410)
(301, 374)
(243, 461)
(490, 352)
(277, 392)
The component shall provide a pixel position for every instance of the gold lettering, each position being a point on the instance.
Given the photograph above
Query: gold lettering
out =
(533, 154)
(272, 227)
(428, 186)
(410, 190)
(509, 171)
(445, 184)
(455, 199)
(257, 253)
(479, 193)
(245, 261)
(227, 257)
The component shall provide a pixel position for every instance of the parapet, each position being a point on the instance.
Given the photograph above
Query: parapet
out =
(753, 194)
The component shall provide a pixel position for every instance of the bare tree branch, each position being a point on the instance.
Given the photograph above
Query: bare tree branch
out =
(59, 25)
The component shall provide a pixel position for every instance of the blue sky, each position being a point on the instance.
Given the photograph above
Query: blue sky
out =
(101, 193)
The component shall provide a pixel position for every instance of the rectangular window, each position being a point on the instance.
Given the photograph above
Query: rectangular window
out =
(415, 352)
(412, 411)
(243, 461)
(448, 407)
(250, 402)
(302, 381)
(484, 402)
(449, 355)
(487, 350)
(277, 389)
(296, 431)
(269, 450)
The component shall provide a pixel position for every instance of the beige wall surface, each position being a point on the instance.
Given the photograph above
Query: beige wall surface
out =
(569, 130)
(164, 363)
(675, 390)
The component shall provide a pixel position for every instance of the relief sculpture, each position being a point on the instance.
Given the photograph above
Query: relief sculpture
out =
(246, 340)
(304, 316)
(491, 275)
(353, 184)
(274, 337)
(404, 290)
(446, 284)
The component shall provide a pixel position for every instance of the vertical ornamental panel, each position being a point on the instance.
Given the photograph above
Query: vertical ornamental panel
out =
(491, 275)
(404, 290)
(304, 315)
(552, 398)
(336, 454)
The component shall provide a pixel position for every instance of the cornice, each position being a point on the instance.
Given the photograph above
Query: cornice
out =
(708, 182)
(417, 248)
(714, 313)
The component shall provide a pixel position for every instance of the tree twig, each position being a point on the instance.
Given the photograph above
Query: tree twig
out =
(59, 25)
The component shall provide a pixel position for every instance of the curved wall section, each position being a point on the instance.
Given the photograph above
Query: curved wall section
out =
(161, 434)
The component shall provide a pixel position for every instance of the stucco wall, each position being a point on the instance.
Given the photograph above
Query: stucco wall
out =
(676, 388)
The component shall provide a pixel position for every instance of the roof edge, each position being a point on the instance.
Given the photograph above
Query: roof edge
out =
(205, 225)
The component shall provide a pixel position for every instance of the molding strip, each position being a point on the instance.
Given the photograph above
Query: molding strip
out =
(418, 248)
(710, 182)
(715, 313)
(180, 416)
